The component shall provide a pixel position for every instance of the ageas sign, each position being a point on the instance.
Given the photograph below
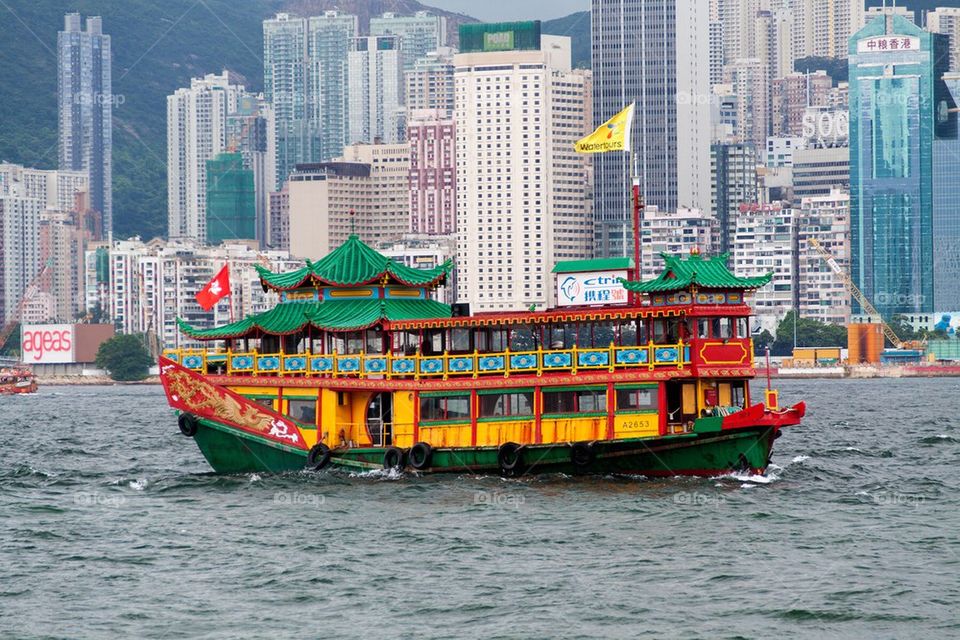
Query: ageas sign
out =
(47, 343)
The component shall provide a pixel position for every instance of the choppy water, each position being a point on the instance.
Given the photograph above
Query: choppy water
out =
(111, 526)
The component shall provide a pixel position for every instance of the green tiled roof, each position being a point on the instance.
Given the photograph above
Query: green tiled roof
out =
(705, 273)
(596, 264)
(351, 264)
(334, 315)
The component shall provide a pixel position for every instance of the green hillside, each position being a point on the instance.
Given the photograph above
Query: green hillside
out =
(577, 27)
(157, 47)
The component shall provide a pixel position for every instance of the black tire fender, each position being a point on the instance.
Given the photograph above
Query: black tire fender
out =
(582, 454)
(393, 458)
(420, 456)
(319, 456)
(510, 458)
(188, 424)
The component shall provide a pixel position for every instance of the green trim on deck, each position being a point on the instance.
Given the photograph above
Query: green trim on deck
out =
(459, 422)
(566, 416)
(529, 416)
(444, 394)
(490, 392)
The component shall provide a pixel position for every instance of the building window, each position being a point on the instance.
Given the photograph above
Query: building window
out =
(436, 408)
(495, 405)
(637, 399)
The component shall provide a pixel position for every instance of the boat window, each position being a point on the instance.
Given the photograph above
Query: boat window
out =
(703, 328)
(714, 327)
(660, 331)
(405, 343)
(444, 408)
(574, 401)
(725, 328)
(459, 340)
(522, 338)
(603, 335)
(743, 330)
(628, 333)
(291, 343)
(637, 399)
(270, 344)
(336, 342)
(506, 404)
(374, 342)
(491, 340)
(266, 402)
(738, 393)
(304, 411)
(354, 342)
(433, 342)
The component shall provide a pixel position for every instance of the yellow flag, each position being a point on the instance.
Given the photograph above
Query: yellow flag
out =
(612, 135)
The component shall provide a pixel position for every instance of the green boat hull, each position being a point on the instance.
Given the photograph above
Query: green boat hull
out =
(706, 454)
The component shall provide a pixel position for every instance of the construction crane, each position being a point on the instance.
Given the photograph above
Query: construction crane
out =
(29, 294)
(862, 299)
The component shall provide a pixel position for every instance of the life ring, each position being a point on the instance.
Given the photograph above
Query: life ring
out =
(420, 456)
(393, 458)
(582, 454)
(318, 457)
(188, 424)
(510, 459)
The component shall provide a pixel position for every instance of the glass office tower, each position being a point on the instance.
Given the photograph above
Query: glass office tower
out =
(896, 73)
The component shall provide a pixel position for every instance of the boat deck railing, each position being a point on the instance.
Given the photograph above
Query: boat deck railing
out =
(445, 365)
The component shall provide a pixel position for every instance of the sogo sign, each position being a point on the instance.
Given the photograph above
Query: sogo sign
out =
(47, 343)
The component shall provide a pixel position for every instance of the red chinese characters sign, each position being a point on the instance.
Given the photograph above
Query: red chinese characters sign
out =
(887, 44)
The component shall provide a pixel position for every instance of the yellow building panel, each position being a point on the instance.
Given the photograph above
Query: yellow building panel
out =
(448, 435)
(573, 429)
(492, 434)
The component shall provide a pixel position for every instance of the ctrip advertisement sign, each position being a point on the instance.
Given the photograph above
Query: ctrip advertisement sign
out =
(47, 343)
(591, 288)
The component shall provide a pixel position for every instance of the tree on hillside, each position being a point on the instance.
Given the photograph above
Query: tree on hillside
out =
(125, 357)
(810, 333)
(12, 346)
(836, 68)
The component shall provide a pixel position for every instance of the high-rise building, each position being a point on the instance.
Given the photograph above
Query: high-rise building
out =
(375, 90)
(765, 240)
(522, 204)
(364, 192)
(946, 20)
(739, 20)
(821, 293)
(429, 83)
(305, 79)
(231, 199)
(251, 131)
(946, 206)
(328, 43)
(55, 189)
(822, 28)
(674, 233)
(819, 170)
(748, 79)
(433, 172)
(425, 252)
(85, 110)
(196, 132)
(62, 245)
(872, 13)
(654, 53)
(419, 34)
(280, 218)
(790, 97)
(894, 96)
(20, 259)
(734, 178)
(716, 51)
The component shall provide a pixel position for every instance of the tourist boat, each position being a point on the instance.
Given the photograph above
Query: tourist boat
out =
(359, 368)
(16, 380)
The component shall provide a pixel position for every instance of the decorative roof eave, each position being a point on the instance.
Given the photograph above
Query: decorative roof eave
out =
(334, 315)
(353, 264)
(703, 273)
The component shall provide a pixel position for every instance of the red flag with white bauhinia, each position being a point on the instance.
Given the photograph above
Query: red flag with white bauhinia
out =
(215, 290)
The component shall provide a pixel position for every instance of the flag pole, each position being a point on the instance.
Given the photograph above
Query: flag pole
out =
(230, 281)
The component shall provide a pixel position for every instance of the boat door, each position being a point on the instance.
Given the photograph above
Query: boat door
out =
(681, 402)
(380, 419)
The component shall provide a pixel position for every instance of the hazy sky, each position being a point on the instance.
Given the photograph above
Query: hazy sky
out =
(501, 10)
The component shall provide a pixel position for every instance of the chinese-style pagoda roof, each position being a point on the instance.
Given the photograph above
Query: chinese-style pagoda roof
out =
(595, 264)
(332, 315)
(695, 270)
(352, 264)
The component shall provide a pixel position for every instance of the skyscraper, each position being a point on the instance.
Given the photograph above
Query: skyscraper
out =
(429, 84)
(654, 53)
(19, 247)
(895, 68)
(822, 28)
(433, 172)
(946, 20)
(521, 201)
(305, 79)
(196, 132)
(419, 34)
(251, 131)
(375, 90)
(231, 207)
(85, 110)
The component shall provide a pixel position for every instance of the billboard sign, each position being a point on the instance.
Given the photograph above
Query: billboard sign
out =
(498, 41)
(591, 288)
(47, 343)
(888, 44)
